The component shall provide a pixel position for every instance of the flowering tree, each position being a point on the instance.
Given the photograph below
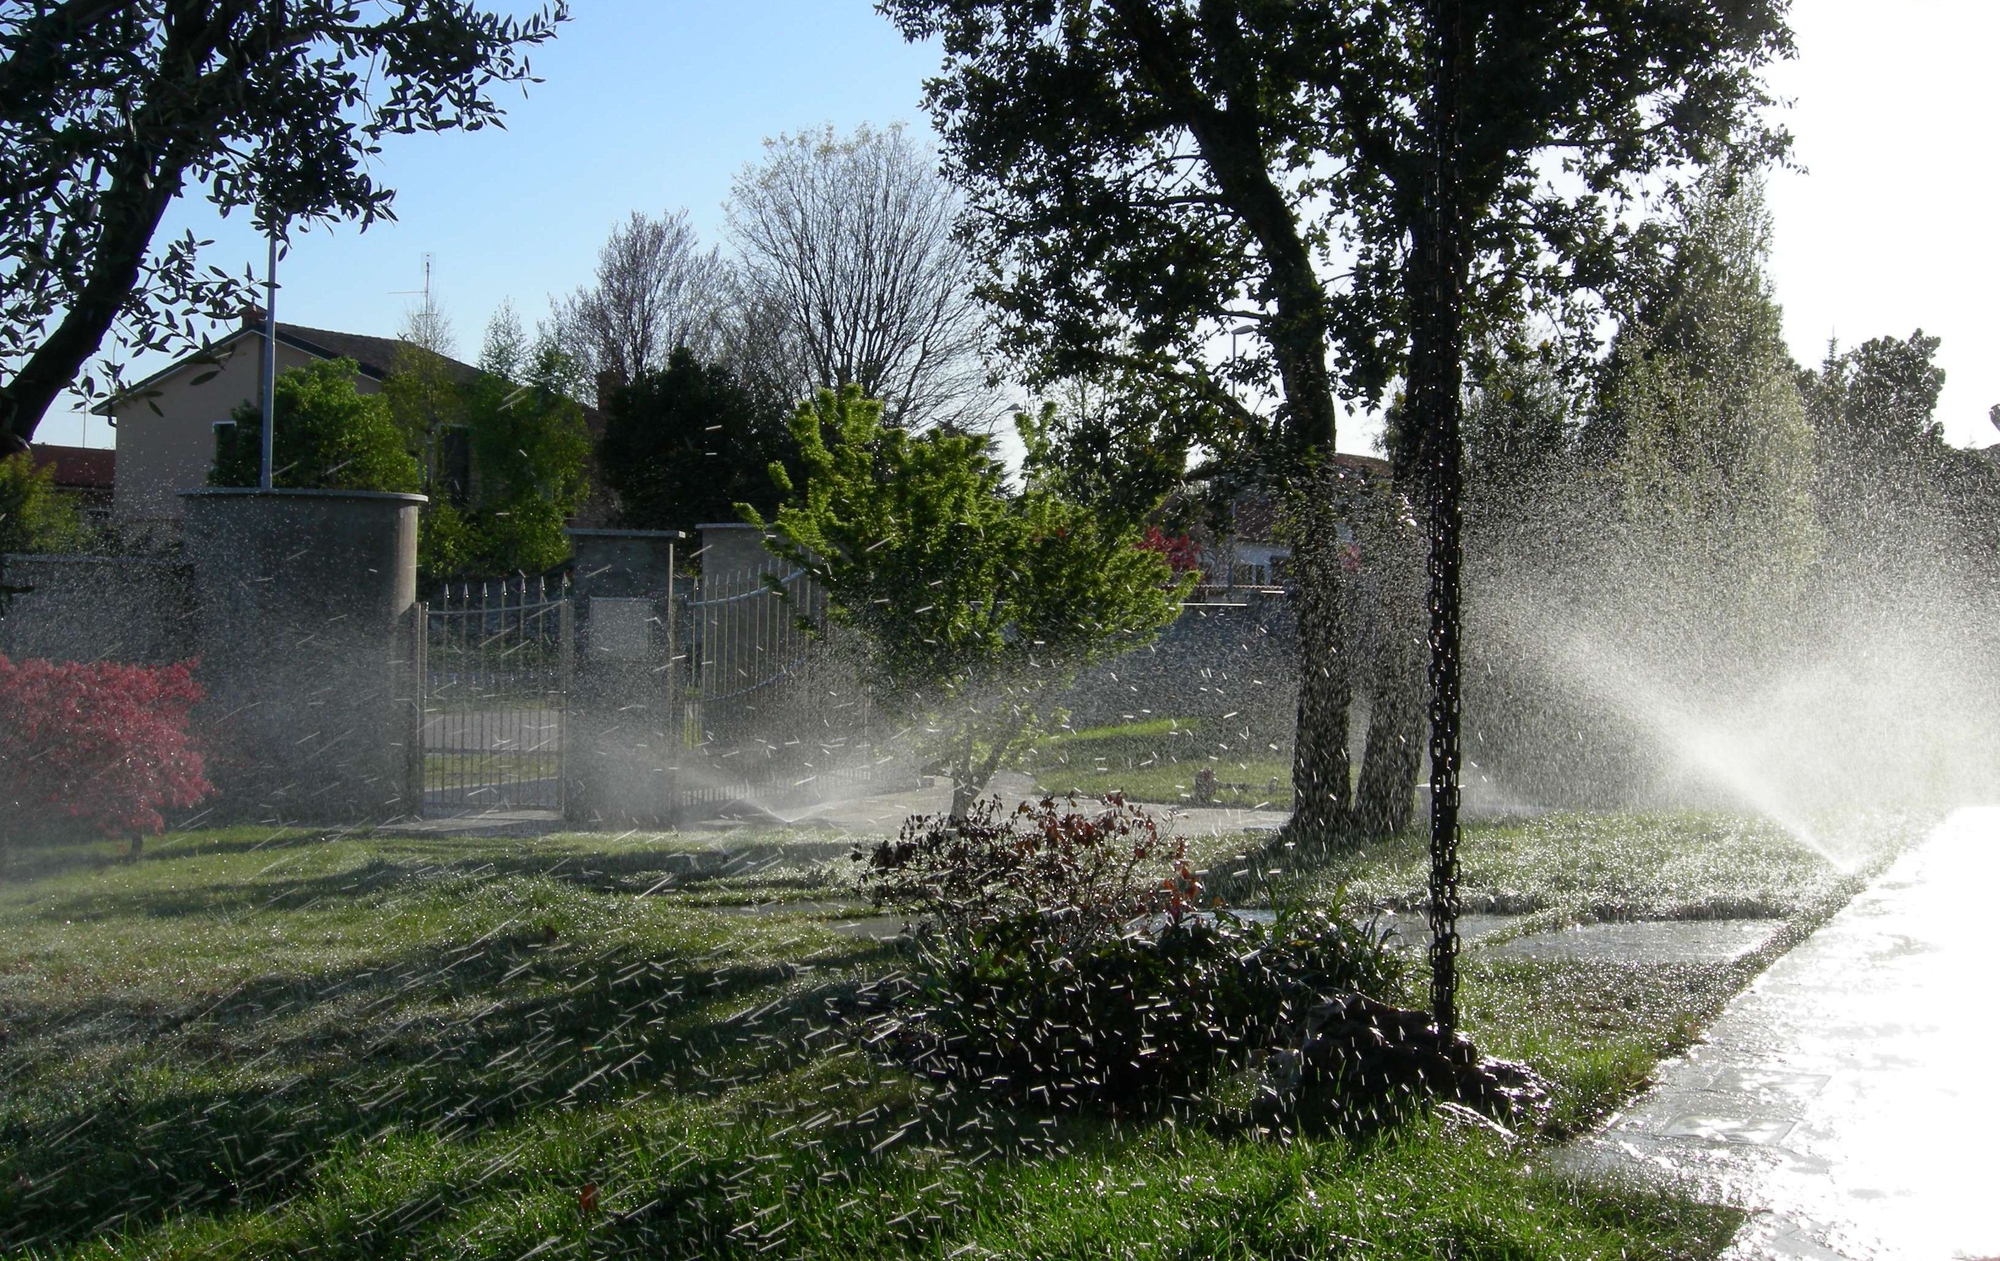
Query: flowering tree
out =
(103, 744)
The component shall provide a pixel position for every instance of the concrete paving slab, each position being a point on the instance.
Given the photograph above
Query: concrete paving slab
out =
(1849, 1095)
(1649, 941)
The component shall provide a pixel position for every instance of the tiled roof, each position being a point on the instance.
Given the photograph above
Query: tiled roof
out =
(78, 468)
(375, 356)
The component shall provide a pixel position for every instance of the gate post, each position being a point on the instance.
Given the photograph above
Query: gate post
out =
(622, 747)
(303, 604)
(566, 684)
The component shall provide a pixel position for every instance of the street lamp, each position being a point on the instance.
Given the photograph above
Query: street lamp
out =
(270, 400)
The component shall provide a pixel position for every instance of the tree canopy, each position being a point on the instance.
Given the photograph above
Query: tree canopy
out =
(1146, 175)
(526, 471)
(110, 111)
(35, 516)
(685, 444)
(851, 274)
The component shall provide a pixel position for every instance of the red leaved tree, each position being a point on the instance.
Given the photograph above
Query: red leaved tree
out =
(98, 743)
(1179, 550)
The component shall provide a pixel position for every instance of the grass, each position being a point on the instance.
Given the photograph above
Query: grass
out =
(1156, 761)
(277, 1043)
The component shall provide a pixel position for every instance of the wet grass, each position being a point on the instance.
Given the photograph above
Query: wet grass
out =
(258, 1042)
(1157, 760)
(1632, 866)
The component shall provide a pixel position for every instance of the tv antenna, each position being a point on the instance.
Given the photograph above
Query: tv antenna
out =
(429, 260)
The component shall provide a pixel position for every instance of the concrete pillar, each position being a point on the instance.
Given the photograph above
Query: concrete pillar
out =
(304, 626)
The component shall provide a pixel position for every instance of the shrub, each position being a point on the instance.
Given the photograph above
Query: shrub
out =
(1064, 959)
(34, 515)
(99, 743)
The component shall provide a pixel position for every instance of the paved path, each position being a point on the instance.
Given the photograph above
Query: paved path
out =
(1852, 1093)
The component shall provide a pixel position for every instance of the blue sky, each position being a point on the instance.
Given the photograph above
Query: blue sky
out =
(657, 104)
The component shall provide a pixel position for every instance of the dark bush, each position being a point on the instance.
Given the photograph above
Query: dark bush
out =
(1063, 958)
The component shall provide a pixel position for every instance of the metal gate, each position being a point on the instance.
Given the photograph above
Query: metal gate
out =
(775, 713)
(496, 660)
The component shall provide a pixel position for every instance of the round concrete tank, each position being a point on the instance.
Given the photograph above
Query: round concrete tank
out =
(305, 629)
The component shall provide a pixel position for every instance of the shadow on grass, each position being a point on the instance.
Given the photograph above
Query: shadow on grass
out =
(118, 1115)
(622, 872)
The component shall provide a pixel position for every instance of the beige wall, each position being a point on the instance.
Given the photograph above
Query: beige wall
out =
(163, 453)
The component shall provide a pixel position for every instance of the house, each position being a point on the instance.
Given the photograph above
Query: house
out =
(1253, 552)
(166, 423)
(85, 474)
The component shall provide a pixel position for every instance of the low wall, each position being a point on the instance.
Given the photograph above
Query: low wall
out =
(1213, 660)
(98, 608)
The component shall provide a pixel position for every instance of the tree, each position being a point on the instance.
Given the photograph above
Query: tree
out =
(1519, 429)
(427, 399)
(655, 290)
(1020, 590)
(1382, 181)
(683, 446)
(529, 455)
(110, 111)
(1893, 496)
(504, 351)
(1145, 175)
(326, 435)
(1710, 456)
(848, 251)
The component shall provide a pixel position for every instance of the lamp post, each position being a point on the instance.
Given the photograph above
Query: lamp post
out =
(270, 400)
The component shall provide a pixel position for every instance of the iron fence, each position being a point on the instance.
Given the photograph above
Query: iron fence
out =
(496, 660)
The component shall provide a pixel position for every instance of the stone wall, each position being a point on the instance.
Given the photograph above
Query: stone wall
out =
(138, 610)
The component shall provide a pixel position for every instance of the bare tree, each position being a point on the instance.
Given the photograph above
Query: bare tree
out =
(847, 248)
(655, 289)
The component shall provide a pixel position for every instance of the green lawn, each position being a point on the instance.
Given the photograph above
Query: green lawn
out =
(1156, 761)
(257, 1043)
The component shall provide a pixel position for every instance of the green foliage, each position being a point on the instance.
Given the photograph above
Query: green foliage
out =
(1710, 455)
(1147, 177)
(978, 603)
(1876, 404)
(425, 399)
(35, 517)
(1518, 429)
(326, 436)
(527, 456)
(1120, 446)
(1892, 493)
(113, 114)
(685, 444)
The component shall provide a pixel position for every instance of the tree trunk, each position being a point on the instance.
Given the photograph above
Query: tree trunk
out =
(1321, 770)
(132, 212)
(1386, 795)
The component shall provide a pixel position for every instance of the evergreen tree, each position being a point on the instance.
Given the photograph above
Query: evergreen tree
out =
(979, 604)
(684, 445)
(1700, 440)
